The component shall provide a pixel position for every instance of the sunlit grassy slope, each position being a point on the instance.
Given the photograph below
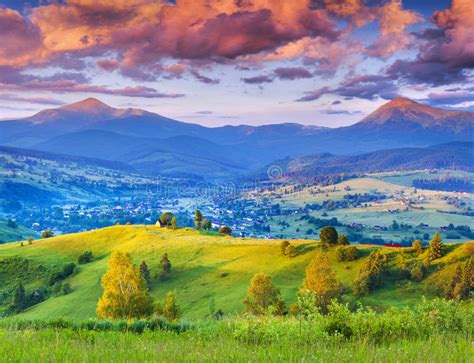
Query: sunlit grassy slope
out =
(204, 266)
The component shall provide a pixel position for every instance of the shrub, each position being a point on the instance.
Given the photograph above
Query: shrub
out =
(85, 257)
(416, 273)
(66, 288)
(67, 270)
(225, 230)
(283, 246)
(291, 251)
(47, 234)
(342, 240)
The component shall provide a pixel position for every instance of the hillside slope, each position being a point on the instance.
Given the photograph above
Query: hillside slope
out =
(204, 267)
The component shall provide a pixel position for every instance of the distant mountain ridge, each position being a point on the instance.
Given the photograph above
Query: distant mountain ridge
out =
(453, 155)
(163, 146)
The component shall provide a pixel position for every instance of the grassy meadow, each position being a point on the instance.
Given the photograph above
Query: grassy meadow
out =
(204, 266)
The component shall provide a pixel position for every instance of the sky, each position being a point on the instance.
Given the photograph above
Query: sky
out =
(219, 62)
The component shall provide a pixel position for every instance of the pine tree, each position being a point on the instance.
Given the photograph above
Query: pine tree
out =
(417, 246)
(328, 236)
(436, 247)
(198, 219)
(19, 298)
(370, 273)
(125, 294)
(321, 279)
(462, 291)
(263, 296)
(165, 263)
(145, 272)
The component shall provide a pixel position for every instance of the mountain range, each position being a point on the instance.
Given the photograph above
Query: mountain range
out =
(157, 145)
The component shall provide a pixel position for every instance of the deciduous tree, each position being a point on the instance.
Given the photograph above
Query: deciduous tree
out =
(125, 293)
(263, 296)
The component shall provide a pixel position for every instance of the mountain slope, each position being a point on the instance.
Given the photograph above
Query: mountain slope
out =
(202, 267)
(455, 155)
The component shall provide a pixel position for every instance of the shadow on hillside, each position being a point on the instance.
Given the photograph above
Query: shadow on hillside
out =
(305, 248)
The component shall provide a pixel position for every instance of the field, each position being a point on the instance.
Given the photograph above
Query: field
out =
(193, 347)
(204, 267)
(395, 200)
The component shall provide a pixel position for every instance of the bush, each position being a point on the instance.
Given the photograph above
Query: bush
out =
(67, 271)
(85, 257)
(225, 230)
(347, 253)
(47, 234)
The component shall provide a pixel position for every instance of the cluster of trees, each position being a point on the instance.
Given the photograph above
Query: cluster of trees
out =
(329, 237)
(126, 291)
(200, 222)
(460, 286)
(85, 257)
(370, 274)
(347, 253)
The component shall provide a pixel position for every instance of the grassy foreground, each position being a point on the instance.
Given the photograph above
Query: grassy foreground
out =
(66, 345)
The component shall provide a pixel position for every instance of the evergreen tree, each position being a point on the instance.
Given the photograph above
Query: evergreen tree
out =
(370, 273)
(198, 219)
(19, 298)
(462, 291)
(165, 263)
(436, 247)
(145, 272)
(125, 294)
(263, 296)
(328, 236)
(417, 246)
(321, 279)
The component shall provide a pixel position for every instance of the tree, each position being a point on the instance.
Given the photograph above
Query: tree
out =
(85, 257)
(165, 263)
(455, 280)
(370, 273)
(436, 247)
(328, 236)
(342, 240)
(170, 307)
(198, 219)
(347, 253)
(166, 218)
(291, 251)
(418, 247)
(321, 279)
(225, 230)
(125, 293)
(145, 272)
(30, 240)
(263, 296)
(462, 290)
(283, 247)
(174, 223)
(206, 224)
(19, 298)
(47, 234)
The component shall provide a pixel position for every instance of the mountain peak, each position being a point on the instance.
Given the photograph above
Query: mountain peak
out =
(401, 101)
(88, 105)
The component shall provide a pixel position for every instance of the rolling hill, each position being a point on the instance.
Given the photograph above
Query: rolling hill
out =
(162, 146)
(203, 267)
(454, 155)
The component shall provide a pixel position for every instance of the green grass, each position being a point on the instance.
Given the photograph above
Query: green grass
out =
(59, 346)
(204, 266)
(9, 234)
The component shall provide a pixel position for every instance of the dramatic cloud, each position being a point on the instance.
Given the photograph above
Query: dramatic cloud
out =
(448, 52)
(393, 22)
(13, 79)
(366, 87)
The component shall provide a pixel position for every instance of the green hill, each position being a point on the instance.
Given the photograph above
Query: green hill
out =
(204, 266)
